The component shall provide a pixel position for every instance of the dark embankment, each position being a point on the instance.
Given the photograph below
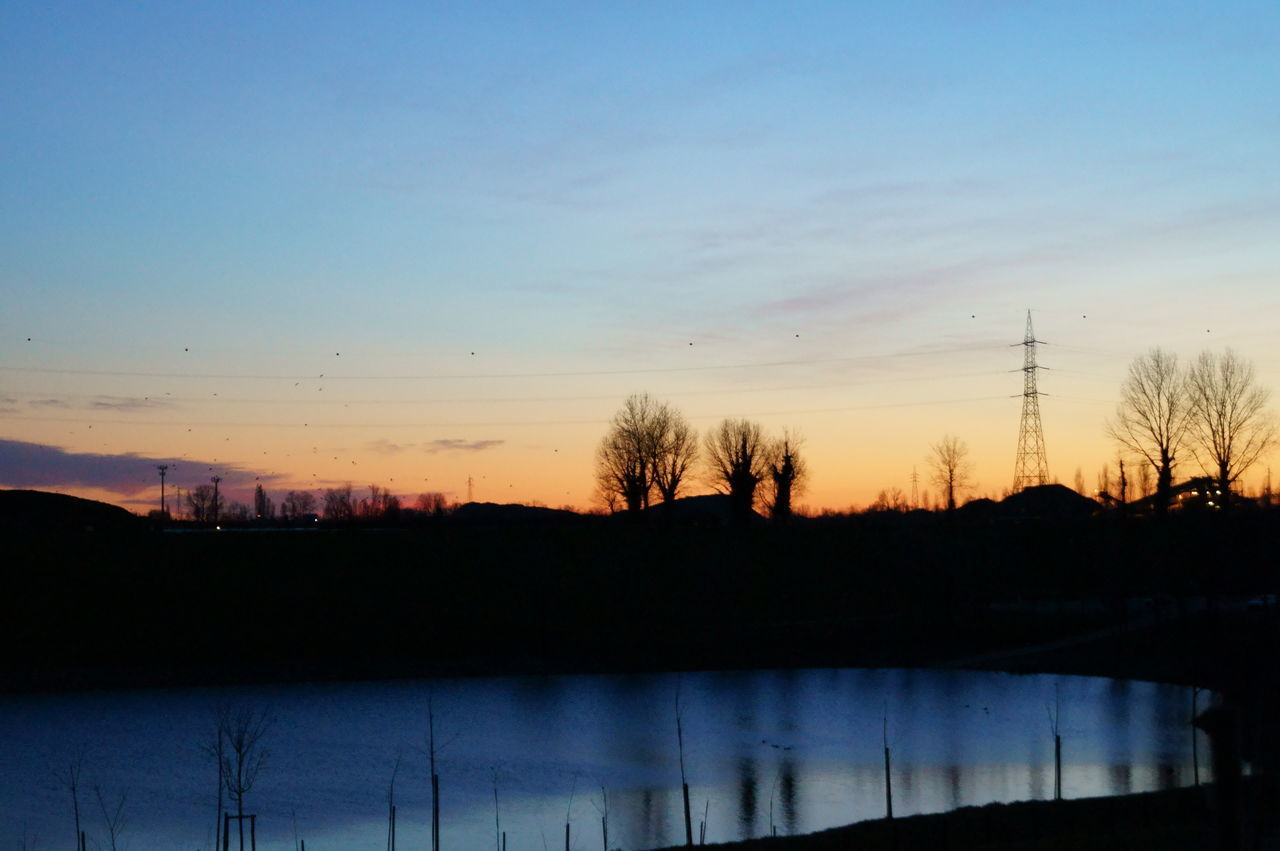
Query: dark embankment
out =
(584, 594)
(1172, 820)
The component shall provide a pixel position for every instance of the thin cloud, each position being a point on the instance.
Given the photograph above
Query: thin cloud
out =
(449, 444)
(38, 465)
(382, 446)
(128, 403)
(49, 403)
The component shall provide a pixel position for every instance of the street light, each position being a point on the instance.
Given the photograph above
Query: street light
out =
(162, 468)
(215, 481)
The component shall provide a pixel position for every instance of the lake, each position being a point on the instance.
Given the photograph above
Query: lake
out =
(788, 750)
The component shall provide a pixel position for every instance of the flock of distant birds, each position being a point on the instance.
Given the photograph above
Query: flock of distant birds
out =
(315, 449)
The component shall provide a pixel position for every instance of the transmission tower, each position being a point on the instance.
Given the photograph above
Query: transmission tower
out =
(1031, 468)
(915, 488)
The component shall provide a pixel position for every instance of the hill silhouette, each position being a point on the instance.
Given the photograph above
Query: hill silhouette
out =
(41, 511)
(712, 509)
(1048, 501)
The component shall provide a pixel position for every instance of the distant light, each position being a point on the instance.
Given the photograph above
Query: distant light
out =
(217, 528)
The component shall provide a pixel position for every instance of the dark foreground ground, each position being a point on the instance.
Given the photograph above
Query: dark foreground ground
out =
(129, 607)
(1184, 600)
(1176, 820)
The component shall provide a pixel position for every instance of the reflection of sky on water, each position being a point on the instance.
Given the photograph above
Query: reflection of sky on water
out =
(799, 749)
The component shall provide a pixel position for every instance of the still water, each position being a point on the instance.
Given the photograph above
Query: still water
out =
(794, 751)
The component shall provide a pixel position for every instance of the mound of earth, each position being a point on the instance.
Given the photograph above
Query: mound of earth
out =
(41, 511)
(492, 512)
(1049, 502)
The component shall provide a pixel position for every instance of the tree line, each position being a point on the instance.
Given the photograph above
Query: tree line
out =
(1211, 409)
(205, 504)
(650, 455)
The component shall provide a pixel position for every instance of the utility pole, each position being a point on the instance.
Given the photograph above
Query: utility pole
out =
(162, 468)
(215, 481)
(1031, 468)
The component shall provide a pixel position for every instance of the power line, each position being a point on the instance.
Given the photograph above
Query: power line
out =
(488, 424)
(482, 375)
(160, 401)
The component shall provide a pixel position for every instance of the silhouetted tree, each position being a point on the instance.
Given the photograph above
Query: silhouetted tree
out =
(1230, 427)
(113, 817)
(381, 504)
(242, 729)
(433, 503)
(951, 468)
(892, 499)
(263, 507)
(235, 512)
(787, 474)
(1144, 480)
(649, 446)
(624, 459)
(298, 503)
(738, 457)
(200, 500)
(1152, 418)
(339, 506)
(675, 453)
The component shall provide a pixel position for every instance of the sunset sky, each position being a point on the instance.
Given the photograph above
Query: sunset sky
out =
(408, 244)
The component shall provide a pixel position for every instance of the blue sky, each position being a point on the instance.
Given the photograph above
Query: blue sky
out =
(237, 190)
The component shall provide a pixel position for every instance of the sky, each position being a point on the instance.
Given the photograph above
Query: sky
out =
(434, 246)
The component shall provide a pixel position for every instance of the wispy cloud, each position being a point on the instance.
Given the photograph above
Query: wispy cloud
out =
(382, 446)
(128, 403)
(37, 465)
(449, 444)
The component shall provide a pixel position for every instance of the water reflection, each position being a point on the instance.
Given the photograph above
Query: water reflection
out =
(789, 788)
(748, 786)
(802, 750)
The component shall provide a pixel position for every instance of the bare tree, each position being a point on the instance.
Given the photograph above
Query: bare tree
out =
(243, 756)
(298, 503)
(381, 504)
(1104, 482)
(433, 503)
(263, 507)
(952, 471)
(71, 779)
(787, 474)
(892, 499)
(738, 457)
(205, 503)
(1152, 418)
(113, 817)
(339, 506)
(1230, 428)
(624, 459)
(675, 453)
(1144, 480)
(649, 447)
(217, 749)
(235, 512)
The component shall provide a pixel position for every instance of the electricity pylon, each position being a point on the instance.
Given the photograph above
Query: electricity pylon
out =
(1031, 468)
